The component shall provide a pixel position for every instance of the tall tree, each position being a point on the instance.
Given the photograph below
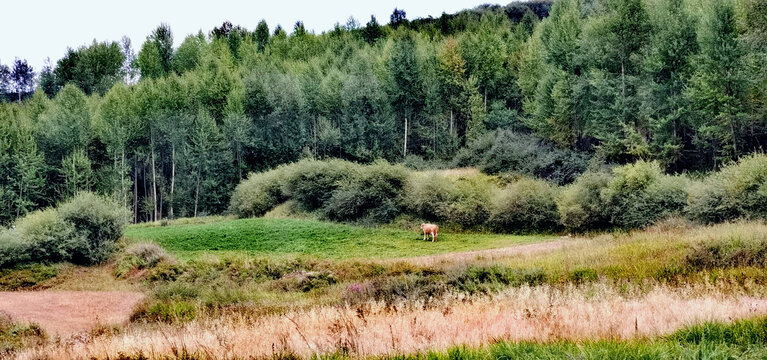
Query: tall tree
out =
(23, 77)
(718, 87)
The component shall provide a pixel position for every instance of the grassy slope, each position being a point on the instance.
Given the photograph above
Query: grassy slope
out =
(274, 237)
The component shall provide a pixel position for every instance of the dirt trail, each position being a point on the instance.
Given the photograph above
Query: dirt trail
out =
(489, 254)
(68, 312)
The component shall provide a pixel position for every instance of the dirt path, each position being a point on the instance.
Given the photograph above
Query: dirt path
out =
(68, 312)
(489, 254)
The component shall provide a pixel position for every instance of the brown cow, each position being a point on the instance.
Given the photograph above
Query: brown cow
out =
(430, 229)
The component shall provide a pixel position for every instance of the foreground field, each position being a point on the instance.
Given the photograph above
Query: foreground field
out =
(277, 237)
(542, 314)
(303, 288)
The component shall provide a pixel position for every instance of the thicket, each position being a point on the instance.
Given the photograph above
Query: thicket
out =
(627, 197)
(81, 230)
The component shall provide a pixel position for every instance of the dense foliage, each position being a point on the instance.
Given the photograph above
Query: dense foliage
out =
(534, 88)
(82, 230)
(628, 197)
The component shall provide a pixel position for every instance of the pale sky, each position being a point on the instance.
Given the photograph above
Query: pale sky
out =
(45, 29)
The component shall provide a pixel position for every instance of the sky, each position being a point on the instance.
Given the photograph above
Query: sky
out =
(47, 28)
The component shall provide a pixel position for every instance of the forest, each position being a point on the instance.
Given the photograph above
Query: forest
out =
(543, 89)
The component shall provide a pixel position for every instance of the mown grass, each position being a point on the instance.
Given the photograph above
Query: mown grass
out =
(280, 237)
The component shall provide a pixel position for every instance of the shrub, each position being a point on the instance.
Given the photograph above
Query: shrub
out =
(312, 182)
(45, 232)
(527, 205)
(258, 194)
(639, 194)
(507, 151)
(375, 193)
(141, 256)
(463, 201)
(738, 190)
(13, 250)
(580, 204)
(98, 223)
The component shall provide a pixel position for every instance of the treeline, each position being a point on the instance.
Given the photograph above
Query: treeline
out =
(170, 131)
(630, 196)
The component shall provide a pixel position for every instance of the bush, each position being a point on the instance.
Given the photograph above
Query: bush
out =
(580, 204)
(258, 194)
(527, 205)
(463, 201)
(98, 223)
(375, 194)
(738, 190)
(141, 256)
(312, 182)
(82, 230)
(507, 151)
(640, 194)
(45, 232)
(13, 250)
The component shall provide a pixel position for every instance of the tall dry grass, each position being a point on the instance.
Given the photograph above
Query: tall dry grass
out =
(544, 313)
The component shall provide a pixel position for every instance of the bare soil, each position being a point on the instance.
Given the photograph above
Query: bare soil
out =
(68, 312)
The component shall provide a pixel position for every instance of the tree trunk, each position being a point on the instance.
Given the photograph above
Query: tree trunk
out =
(404, 148)
(197, 192)
(623, 79)
(172, 178)
(122, 179)
(154, 187)
(135, 191)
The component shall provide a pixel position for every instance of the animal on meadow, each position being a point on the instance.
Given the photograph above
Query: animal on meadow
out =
(430, 229)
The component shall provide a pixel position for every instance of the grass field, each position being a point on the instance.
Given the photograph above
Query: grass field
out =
(302, 288)
(279, 237)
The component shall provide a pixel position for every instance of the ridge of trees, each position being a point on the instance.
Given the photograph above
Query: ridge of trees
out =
(170, 131)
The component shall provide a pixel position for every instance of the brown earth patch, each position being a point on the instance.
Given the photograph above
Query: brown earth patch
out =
(67, 312)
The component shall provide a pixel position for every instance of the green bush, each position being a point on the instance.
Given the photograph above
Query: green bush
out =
(98, 223)
(508, 151)
(258, 194)
(82, 230)
(375, 194)
(738, 190)
(526, 205)
(13, 250)
(463, 201)
(312, 182)
(640, 194)
(580, 204)
(45, 232)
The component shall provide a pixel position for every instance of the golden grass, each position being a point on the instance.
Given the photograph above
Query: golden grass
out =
(544, 313)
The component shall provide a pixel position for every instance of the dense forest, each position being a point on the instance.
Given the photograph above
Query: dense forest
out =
(538, 88)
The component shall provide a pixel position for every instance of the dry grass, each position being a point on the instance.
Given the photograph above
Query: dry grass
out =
(518, 251)
(542, 313)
